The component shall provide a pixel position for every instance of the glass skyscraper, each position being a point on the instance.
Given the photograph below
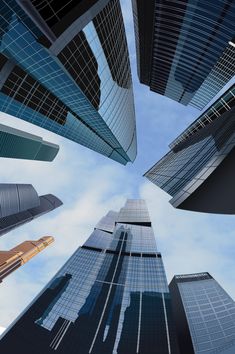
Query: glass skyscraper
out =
(20, 203)
(185, 48)
(18, 144)
(110, 297)
(64, 66)
(198, 171)
(204, 314)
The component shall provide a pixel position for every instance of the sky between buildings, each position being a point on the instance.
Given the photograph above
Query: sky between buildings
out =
(90, 185)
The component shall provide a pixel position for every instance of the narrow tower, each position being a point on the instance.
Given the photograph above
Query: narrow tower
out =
(17, 144)
(19, 255)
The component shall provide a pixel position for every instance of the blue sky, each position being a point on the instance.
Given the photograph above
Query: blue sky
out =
(90, 185)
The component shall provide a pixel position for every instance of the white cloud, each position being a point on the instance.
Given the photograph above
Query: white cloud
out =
(189, 242)
(89, 186)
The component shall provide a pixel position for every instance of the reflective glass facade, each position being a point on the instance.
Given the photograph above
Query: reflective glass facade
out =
(17, 144)
(66, 68)
(198, 171)
(110, 297)
(20, 203)
(204, 312)
(185, 49)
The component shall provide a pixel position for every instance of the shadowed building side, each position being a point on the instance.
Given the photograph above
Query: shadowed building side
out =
(199, 170)
(19, 255)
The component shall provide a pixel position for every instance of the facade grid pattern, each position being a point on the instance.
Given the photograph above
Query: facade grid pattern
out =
(198, 152)
(91, 302)
(92, 113)
(210, 314)
(191, 57)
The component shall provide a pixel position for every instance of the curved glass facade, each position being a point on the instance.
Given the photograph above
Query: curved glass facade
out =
(110, 297)
(15, 198)
(190, 48)
(75, 82)
(32, 206)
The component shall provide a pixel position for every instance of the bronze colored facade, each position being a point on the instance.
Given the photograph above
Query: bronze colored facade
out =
(19, 255)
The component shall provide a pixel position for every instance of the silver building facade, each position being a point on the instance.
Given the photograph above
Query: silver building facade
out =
(110, 297)
(20, 203)
(204, 315)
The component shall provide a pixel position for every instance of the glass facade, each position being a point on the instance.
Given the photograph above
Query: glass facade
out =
(209, 314)
(17, 144)
(198, 157)
(185, 49)
(66, 69)
(20, 203)
(110, 297)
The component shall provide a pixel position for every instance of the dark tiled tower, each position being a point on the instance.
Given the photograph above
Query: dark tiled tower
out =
(185, 49)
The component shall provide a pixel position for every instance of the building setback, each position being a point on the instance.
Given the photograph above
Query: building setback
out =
(185, 49)
(20, 203)
(65, 67)
(199, 170)
(19, 255)
(18, 144)
(110, 297)
(204, 314)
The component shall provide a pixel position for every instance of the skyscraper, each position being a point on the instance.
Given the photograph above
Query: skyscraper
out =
(20, 203)
(204, 315)
(18, 144)
(110, 297)
(185, 49)
(65, 67)
(19, 255)
(199, 171)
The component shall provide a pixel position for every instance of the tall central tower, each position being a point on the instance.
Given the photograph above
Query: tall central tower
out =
(110, 297)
